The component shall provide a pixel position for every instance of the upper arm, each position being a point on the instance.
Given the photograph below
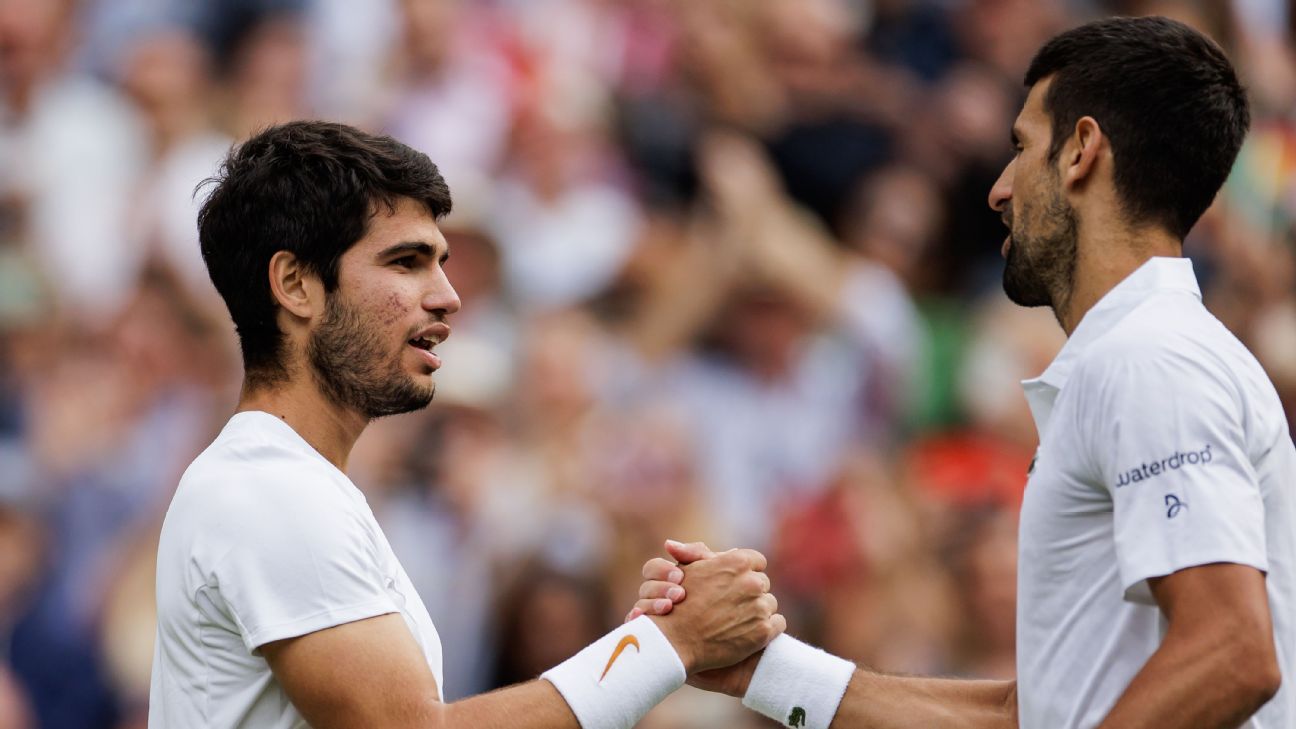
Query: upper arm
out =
(367, 673)
(1221, 625)
(1228, 599)
(1169, 444)
(1217, 664)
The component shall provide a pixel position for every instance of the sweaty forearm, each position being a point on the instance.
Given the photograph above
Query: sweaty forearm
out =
(877, 701)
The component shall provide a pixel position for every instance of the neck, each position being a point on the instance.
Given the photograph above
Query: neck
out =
(1104, 261)
(326, 426)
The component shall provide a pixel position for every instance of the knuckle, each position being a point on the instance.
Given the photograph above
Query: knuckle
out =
(692, 569)
(730, 558)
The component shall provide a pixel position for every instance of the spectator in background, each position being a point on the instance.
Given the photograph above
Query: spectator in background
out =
(266, 75)
(168, 73)
(563, 225)
(70, 151)
(452, 92)
(349, 44)
(109, 430)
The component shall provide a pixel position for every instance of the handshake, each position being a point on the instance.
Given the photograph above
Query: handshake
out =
(729, 618)
(708, 618)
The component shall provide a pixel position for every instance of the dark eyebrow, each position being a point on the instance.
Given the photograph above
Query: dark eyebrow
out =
(406, 248)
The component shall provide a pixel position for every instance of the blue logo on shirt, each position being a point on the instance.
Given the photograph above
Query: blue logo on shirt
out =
(1175, 506)
(1156, 468)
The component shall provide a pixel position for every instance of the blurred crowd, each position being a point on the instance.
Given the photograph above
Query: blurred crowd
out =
(727, 270)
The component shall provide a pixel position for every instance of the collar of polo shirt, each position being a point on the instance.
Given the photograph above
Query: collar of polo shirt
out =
(1157, 275)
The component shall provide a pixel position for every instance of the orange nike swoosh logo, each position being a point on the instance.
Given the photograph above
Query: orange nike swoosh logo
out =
(626, 642)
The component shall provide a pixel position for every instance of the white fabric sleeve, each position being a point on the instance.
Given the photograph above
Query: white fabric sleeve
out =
(297, 566)
(1169, 444)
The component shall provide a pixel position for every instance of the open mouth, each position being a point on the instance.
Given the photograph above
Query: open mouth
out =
(424, 345)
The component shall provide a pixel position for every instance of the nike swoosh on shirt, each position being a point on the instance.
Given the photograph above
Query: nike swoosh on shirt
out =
(626, 642)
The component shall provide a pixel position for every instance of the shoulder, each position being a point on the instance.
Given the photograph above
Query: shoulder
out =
(241, 485)
(1166, 343)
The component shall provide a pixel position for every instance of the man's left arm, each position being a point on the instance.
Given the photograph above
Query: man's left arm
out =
(1216, 665)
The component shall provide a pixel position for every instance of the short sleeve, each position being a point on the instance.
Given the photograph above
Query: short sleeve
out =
(1170, 446)
(299, 565)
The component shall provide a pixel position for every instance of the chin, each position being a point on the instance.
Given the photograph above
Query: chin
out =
(404, 393)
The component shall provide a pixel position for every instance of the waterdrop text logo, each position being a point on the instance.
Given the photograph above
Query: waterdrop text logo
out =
(1178, 460)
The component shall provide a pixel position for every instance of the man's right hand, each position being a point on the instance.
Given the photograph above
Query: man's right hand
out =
(730, 613)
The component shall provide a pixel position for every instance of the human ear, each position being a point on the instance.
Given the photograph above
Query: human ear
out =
(298, 291)
(1081, 153)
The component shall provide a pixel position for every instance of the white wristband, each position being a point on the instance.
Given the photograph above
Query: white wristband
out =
(798, 685)
(613, 682)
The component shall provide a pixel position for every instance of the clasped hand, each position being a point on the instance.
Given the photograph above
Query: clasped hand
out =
(715, 608)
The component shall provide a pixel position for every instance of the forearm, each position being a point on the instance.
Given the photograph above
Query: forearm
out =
(877, 701)
(1193, 682)
(370, 673)
(531, 705)
(800, 685)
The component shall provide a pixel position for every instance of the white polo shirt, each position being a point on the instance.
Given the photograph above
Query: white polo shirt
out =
(265, 540)
(1163, 446)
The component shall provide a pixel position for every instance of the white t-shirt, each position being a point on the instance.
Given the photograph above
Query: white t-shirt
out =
(1163, 446)
(264, 540)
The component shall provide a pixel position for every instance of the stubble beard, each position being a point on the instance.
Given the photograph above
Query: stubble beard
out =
(347, 357)
(1040, 267)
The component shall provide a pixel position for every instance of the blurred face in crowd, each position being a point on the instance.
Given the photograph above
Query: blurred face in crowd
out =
(1041, 245)
(166, 70)
(371, 351)
(429, 26)
(31, 36)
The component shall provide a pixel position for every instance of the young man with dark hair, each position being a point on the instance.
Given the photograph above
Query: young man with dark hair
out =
(280, 602)
(1158, 528)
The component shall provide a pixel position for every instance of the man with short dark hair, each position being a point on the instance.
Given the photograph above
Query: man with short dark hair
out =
(280, 602)
(1158, 528)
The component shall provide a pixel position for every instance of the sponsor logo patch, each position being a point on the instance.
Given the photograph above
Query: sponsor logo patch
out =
(626, 642)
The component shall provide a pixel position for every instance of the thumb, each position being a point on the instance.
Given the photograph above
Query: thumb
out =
(687, 553)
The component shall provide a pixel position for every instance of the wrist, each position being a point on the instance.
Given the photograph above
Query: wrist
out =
(616, 680)
(683, 648)
(797, 684)
(743, 673)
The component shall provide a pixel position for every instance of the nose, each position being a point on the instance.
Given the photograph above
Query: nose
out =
(1001, 191)
(441, 298)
